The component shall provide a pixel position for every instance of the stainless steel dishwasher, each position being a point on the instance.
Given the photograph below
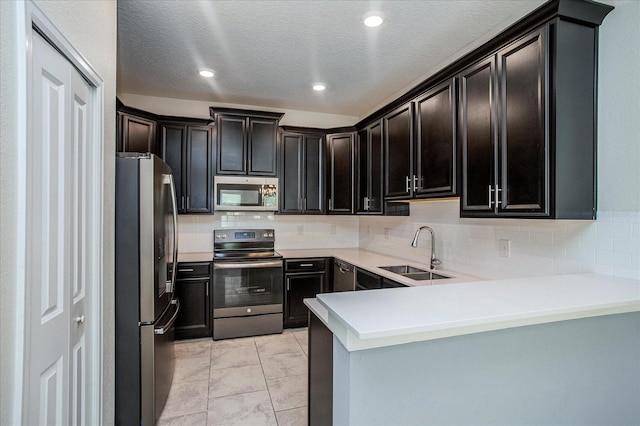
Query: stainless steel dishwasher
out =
(343, 276)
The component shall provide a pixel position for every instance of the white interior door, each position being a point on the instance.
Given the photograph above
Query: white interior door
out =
(60, 249)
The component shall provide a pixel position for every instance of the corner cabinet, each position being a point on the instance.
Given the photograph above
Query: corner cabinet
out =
(527, 127)
(302, 173)
(246, 142)
(340, 173)
(370, 162)
(193, 287)
(187, 148)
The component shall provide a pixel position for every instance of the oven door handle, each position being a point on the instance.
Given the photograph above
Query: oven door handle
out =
(252, 265)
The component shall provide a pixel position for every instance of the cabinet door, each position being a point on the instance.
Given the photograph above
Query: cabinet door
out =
(231, 145)
(199, 177)
(173, 141)
(376, 167)
(398, 139)
(262, 146)
(362, 176)
(290, 184)
(313, 178)
(194, 319)
(524, 149)
(137, 134)
(297, 288)
(478, 138)
(340, 156)
(436, 142)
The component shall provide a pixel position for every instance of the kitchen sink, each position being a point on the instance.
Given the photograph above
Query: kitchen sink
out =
(402, 269)
(422, 276)
(413, 272)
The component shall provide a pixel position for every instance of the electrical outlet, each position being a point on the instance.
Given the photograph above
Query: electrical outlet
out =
(387, 232)
(300, 229)
(505, 248)
(332, 230)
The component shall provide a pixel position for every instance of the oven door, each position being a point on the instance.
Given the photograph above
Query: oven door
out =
(247, 287)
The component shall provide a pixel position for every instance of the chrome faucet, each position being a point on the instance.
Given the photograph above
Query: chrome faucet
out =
(434, 262)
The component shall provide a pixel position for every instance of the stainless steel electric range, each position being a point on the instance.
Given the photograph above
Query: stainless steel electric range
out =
(247, 283)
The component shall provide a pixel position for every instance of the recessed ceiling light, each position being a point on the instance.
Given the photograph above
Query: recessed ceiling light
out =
(372, 19)
(319, 87)
(206, 73)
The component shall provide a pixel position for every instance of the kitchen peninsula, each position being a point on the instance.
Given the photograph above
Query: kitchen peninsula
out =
(560, 349)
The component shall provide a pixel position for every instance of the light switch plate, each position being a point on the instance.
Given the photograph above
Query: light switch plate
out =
(505, 248)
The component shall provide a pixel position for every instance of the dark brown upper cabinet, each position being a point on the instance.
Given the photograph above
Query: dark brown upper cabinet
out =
(370, 162)
(187, 148)
(435, 143)
(246, 142)
(340, 172)
(302, 176)
(398, 147)
(527, 127)
(136, 131)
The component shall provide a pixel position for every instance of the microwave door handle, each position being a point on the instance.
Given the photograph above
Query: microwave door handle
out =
(174, 205)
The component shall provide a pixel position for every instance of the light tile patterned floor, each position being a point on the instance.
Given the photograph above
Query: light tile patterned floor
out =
(249, 381)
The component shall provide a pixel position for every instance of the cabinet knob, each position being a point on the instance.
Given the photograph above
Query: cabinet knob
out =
(248, 310)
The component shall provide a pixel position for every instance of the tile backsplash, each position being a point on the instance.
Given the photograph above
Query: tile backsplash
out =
(292, 232)
(609, 245)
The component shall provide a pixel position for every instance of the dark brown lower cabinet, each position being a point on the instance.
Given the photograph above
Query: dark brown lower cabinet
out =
(193, 286)
(320, 402)
(303, 278)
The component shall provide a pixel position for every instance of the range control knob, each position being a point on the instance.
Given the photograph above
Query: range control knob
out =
(265, 235)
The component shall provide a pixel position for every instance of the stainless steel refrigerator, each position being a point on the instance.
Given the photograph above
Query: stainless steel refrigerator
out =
(145, 310)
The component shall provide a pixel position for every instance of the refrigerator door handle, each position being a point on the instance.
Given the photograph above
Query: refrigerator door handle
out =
(174, 204)
(164, 329)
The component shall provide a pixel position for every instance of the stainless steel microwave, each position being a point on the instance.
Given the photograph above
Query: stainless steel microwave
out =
(245, 193)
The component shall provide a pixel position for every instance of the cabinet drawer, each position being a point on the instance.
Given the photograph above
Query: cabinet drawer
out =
(193, 269)
(303, 265)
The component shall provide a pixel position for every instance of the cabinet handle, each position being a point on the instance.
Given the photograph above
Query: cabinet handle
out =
(490, 201)
(182, 202)
(497, 191)
(206, 290)
(185, 270)
(366, 203)
(300, 204)
(305, 204)
(330, 203)
(187, 202)
(288, 285)
(407, 180)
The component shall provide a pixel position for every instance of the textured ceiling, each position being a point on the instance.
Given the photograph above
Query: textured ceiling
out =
(268, 53)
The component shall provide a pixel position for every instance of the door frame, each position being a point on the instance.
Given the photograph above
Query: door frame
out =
(31, 19)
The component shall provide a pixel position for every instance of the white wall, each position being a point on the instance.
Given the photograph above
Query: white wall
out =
(200, 109)
(91, 29)
(8, 197)
(610, 245)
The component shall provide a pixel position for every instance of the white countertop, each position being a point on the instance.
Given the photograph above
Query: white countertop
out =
(377, 318)
(371, 261)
